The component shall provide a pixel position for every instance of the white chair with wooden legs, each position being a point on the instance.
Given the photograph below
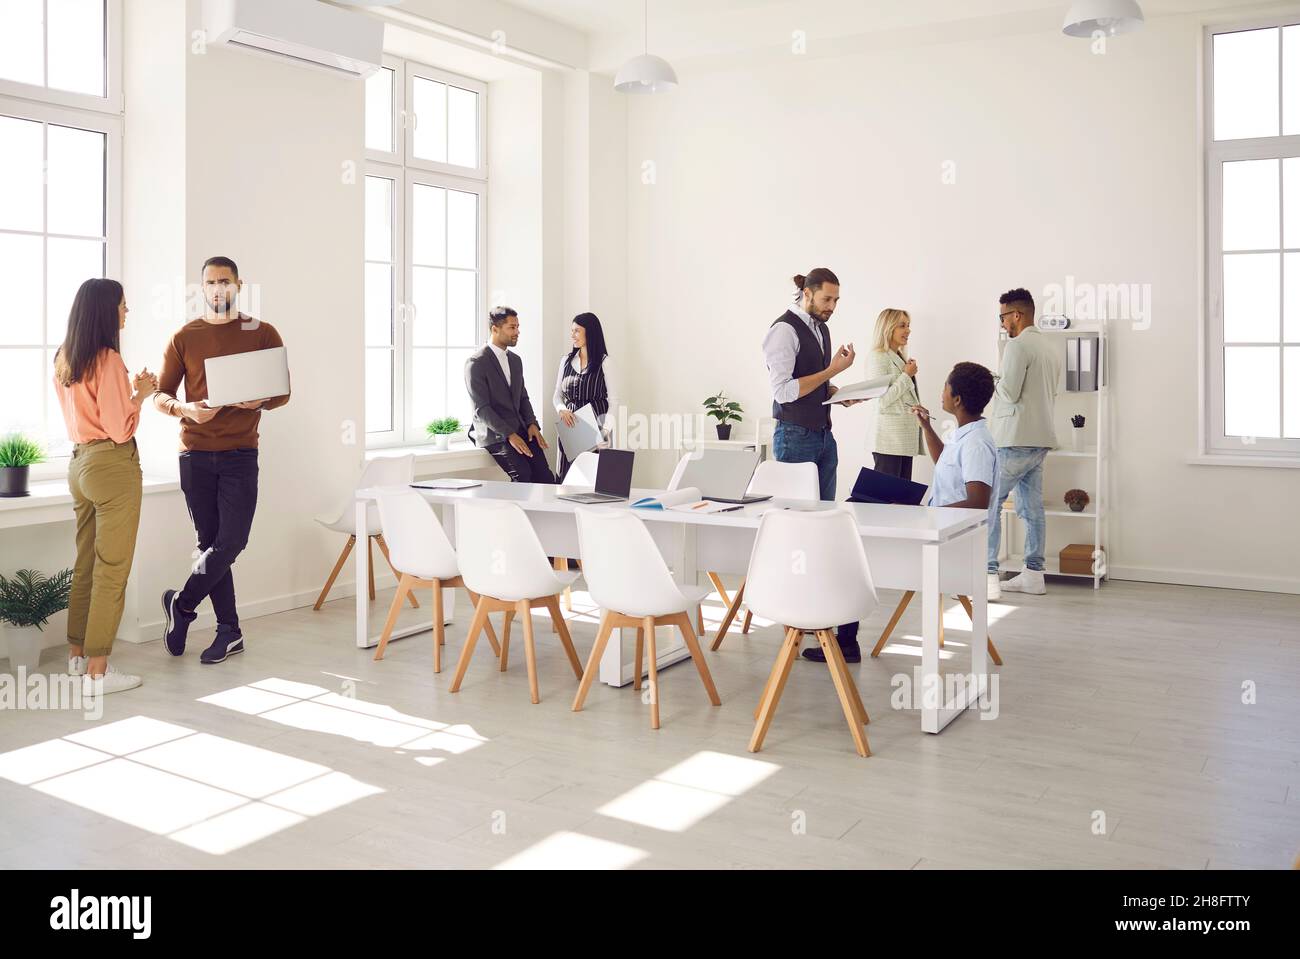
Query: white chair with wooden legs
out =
(629, 580)
(380, 471)
(809, 571)
(902, 606)
(502, 560)
(797, 481)
(425, 556)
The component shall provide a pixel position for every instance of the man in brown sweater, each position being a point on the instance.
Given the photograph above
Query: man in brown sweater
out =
(218, 460)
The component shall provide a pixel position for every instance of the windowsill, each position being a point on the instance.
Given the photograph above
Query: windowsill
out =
(1229, 459)
(55, 493)
(459, 455)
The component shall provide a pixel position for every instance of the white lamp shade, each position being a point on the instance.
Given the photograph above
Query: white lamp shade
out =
(645, 74)
(1110, 17)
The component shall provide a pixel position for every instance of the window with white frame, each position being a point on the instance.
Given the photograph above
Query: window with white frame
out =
(425, 193)
(61, 127)
(1252, 148)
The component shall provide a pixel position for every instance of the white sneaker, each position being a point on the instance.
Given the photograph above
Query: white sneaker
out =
(76, 665)
(113, 681)
(1029, 581)
(995, 587)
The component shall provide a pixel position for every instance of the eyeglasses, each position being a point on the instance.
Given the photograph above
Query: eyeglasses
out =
(1003, 316)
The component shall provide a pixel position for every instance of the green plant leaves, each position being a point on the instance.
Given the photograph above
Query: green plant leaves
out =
(19, 450)
(31, 598)
(444, 426)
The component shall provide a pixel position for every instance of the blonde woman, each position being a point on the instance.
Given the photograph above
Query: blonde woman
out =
(898, 435)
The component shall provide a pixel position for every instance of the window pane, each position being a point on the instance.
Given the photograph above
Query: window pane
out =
(71, 263)
(379, 304)
(458, 404)
(1291, 298)
(428, 388)
(379, 110)
(429, 295)
(20, 278)
(1251, 391)
(22, 161)
(430, 138)
(56, 431)
(379, 219)
(1245, 84)
(23, 385)
(379, 390)
(1250, 205)
(1291, 200)
(429, 226)
(462, 229)
(462, 127)
(462, 307)
(77, 46)
(1291, 416)
(1252, 292)
(21, 42)
(76, 181)
(1291, 81)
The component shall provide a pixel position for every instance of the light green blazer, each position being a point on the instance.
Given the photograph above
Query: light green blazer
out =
(1024, 399)
(897, 431)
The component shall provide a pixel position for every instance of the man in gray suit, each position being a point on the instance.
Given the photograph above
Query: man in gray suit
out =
(504, 423)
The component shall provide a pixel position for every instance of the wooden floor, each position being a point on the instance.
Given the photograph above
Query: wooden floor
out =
(1121, 740)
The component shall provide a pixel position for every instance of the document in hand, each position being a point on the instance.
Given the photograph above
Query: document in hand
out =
(583, 435)
(866, 390)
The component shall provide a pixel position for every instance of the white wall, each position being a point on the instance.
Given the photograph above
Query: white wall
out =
(1067, 163)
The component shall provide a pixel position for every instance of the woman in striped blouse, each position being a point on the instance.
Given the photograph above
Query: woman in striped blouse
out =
(898, 436)
(585, 377)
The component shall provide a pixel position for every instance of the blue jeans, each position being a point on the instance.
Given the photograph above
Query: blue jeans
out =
(792, 443)
(1019, 470)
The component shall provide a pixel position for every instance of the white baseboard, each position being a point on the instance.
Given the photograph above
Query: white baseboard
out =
(1189, 577)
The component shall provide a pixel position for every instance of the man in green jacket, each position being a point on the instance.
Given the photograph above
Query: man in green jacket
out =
(1023, 427)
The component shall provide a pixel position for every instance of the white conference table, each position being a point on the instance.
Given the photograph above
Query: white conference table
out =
(932, 550)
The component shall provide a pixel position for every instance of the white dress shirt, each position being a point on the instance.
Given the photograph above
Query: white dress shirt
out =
(780, 346)
(503, 357)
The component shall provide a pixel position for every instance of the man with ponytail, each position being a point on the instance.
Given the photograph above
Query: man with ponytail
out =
(800, 364)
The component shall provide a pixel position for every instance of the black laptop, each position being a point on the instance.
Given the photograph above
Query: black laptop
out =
(613, 479)
(876, 487)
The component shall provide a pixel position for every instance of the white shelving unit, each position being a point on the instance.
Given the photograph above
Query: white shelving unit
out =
(1097, 513)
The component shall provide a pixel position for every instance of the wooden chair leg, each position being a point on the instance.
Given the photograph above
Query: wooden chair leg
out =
(505, 639)
(697, 654)
(334, 573)
(653, 656)
(559, 564)
(383, 548)
(438, 628)
(722, 591)
(403, 587)
(370, 565)
(993, 650)
(487, 624)
(798, 642)
(852, 687)
(530, 650)
(729, 618)
(772, 691)
(831, 648)
(699, 619)
(893, 621)
(749, 618)
(475, 627)
(557, 618)
(593, 661)
(640, 658)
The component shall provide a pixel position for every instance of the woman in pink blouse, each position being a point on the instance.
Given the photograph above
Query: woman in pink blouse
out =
(101, 407)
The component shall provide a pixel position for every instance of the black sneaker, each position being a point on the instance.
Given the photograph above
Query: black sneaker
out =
(227, 643)
(176, 623)
(852, 653)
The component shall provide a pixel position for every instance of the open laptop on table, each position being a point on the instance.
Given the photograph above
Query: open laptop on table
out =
(723, 475)
(613, 479)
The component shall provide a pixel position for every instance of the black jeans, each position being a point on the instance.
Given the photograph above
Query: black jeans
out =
(522, 469)
(221, 493)
(891, 465)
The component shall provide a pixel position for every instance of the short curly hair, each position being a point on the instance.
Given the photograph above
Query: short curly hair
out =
(974, 384)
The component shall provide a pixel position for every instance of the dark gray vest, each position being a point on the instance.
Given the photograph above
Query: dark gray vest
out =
(813, 357)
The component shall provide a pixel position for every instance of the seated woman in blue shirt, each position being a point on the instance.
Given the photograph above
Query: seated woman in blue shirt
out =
(963, 471)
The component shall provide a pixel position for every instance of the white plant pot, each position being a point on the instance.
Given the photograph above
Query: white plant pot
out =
(1078, 438)
(24, 645)
(440, 441)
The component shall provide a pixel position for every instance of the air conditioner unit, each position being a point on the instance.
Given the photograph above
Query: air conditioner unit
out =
(299, 31)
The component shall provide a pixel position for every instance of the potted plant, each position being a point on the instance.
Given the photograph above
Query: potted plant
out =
(725, 412)
(1077, 500)
(26, 604)
(1077, 422)
(442, 430)
(17, 454)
